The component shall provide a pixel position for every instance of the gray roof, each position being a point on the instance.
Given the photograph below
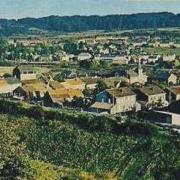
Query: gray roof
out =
(152, 90)
(99, 105)
(120, 92)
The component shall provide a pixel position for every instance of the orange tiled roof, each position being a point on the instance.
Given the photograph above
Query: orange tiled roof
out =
(63, 93)
(34, 86)
(55, 85)
(75, 81)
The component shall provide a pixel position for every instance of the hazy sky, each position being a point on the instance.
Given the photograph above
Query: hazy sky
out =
(38, 8)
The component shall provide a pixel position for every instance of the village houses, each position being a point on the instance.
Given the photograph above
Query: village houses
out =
(116, 100)
(75, 83)
(31, 90)
(8, 85)
(59, 96)
(25, 72)
(151, 97)
(173, 94)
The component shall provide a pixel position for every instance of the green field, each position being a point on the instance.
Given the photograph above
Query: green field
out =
(58, 145)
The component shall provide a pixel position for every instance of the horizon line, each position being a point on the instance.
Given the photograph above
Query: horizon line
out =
(38, 17)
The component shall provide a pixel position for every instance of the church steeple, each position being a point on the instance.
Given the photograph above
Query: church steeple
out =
(140, 70)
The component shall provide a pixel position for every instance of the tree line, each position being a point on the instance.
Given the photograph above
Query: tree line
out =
(87, 23)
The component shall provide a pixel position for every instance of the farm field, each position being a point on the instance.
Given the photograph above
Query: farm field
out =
(59, 148)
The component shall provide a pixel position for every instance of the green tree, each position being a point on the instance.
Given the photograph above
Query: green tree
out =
(104, 64)
(101, 86)
(71, 48)
(95, 64)
(7, 75)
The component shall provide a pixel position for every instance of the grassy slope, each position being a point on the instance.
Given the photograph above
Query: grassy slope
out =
(15, 163)
(53, 149)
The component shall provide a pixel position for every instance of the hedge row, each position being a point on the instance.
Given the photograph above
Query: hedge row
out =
(83, 120)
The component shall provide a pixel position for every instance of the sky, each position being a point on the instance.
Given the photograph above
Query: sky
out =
(14, 9)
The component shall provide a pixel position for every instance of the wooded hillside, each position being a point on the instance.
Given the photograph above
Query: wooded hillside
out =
(87, 23)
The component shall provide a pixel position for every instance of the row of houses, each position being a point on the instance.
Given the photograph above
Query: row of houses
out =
(25, 86)
(120, 100)
(162, 105)
(36, 90)
(28, 86)
(126, 59)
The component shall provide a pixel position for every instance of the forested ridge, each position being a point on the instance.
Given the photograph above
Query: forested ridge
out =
(87, 23)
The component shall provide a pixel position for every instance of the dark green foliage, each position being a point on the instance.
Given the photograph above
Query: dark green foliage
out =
(71, 48)
(14, 168)
(101, 86)
(129, 150)
(82, 120)
(7, 75)
(35, 111)
(62, 75)
(127, 155)
(85, 23)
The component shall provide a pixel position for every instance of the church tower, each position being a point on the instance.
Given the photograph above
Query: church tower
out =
(140, 70)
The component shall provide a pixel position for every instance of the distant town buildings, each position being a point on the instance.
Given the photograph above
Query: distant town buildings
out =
(103, 74)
